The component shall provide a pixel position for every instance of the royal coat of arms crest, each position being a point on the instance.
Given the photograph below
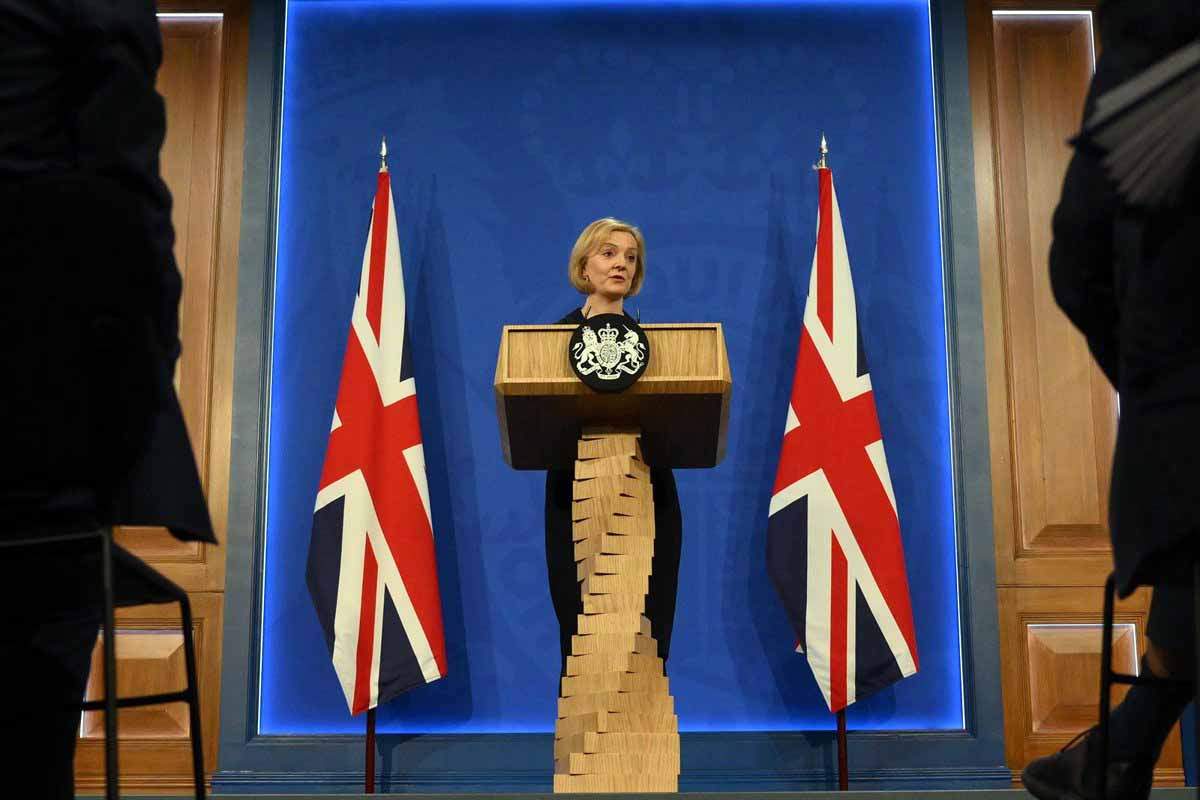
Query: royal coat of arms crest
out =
(609, 352)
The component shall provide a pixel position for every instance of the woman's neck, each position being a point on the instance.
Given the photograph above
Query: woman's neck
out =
(599, 304)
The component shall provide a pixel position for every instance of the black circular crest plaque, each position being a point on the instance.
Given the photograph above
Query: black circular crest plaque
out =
(609, 352)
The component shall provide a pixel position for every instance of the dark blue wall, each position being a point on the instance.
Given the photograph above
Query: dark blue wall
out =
(511, 126)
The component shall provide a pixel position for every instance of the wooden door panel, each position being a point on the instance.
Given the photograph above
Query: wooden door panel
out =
(155, 752)
(190, 82)
(1062, 434)
(1050, 644)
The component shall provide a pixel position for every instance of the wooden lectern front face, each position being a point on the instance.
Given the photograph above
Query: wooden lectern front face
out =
(681, 402)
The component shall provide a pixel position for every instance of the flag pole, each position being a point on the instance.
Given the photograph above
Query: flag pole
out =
(843, 767)
(369, 756)
(843, 760)
(369, 788)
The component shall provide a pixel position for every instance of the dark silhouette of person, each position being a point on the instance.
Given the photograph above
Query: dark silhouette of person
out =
(1129, 279)
(88, 343)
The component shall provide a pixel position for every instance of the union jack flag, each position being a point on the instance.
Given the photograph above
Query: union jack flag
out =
(371, 568)
(833, 535)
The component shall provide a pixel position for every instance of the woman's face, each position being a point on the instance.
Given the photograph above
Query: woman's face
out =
(609, 270)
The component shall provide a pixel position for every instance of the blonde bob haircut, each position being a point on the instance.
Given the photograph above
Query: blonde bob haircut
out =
(590, 240)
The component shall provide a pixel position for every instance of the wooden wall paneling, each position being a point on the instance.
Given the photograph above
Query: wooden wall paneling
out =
(1064, 661)
(1061, 449)
(1051, 413)
(1007, 416)
(191, 131)
(1060, 445)
(203, 81)
(149, 661)
(1050, 696)
(155, 753)
(189, 81)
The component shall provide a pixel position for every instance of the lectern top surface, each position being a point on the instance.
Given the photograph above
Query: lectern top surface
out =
(688, 358)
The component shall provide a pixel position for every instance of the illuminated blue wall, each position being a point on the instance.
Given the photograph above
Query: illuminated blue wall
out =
(511, 125)
(510, 128)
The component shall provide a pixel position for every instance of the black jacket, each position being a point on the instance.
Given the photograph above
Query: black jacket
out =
(89, 318)
(1129, 279)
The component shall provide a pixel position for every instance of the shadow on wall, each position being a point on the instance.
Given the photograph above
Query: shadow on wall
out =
(777, 319)
(447, 453)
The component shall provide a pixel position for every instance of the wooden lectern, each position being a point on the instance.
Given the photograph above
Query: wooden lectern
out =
(616, 729)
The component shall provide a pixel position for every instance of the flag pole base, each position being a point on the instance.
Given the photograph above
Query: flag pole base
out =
(369, 782)
(843, 768)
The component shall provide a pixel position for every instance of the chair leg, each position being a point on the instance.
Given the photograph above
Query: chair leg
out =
(189, 651)
(111, 777)
(1106, 676)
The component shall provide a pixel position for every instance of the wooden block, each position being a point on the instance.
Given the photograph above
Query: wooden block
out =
(594, 526)
(615, 622)
(619, 764)
(612, 523)
(603, 431)
(645, 645)
(612, 466)
(603, 643)
(612, 565)
(614, 662)
(645, 628)
(613, 643)
(631, 526)
(614, 722)
(566, 727)
(616, 783)
(612, 486)
(611, 504)
(616, 584)
(624, 702)
(616, 602)
(614, 544)
(614, 682)
(635, 722)
(608, 446)
(587, 742)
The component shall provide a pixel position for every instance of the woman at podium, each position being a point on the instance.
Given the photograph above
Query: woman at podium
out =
(608, 264)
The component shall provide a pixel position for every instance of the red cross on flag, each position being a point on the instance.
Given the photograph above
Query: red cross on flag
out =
(833, 535)
(371, 568)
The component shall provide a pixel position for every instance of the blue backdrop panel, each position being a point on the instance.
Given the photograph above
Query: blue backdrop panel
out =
(511, 126)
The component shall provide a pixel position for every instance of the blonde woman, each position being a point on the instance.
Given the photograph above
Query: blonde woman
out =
(607, 265)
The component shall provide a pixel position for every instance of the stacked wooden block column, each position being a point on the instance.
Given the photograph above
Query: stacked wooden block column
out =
(616, 730)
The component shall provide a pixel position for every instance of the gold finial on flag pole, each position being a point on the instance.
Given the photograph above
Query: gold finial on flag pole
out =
(383, 155)
(824, 152)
